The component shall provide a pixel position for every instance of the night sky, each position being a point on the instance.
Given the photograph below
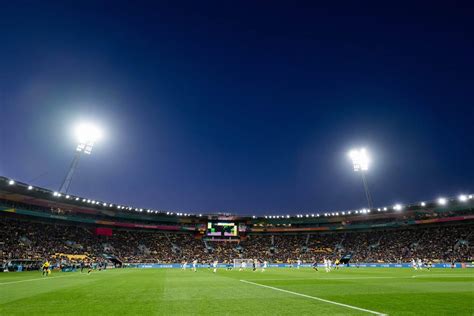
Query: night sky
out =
(245, 106)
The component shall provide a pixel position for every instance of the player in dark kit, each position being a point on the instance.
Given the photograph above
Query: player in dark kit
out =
(429, 265)
(315, 265)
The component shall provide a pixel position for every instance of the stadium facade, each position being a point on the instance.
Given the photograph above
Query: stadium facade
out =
(389, 235)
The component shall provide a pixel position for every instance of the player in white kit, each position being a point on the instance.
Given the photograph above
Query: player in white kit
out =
(327, 264)
(264, 266)
(185, 264)
(195, 265)
(214, 265)
(419, 263)
(413, 264)
(243, 266)
(298, 263)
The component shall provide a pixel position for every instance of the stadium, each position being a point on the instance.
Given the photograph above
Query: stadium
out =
(138, 254)
(236, 158)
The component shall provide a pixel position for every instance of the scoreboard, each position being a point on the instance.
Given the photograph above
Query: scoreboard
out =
(222, 229)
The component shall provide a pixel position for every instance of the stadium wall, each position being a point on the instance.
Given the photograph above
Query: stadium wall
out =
(306, 265)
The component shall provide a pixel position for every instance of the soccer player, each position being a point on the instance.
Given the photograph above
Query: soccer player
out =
(185, 263)
(254, 265)
(264, 266)
(315, 265)
(214, 265)
(89, 267)
(195, 265)
(45, 268)
(419, 263)
(243, 266)
(298, 263)
(413, 264)
(429, 265)
(337, 264)
(327, 263)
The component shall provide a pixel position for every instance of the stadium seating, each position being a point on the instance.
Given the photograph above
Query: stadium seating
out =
(25, 239)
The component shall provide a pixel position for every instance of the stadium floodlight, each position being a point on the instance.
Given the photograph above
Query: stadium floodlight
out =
(463, 198)
(87, 135)
(397, 207)
(11, 182)
(442, 201)
(30, 187)
(423, 204)
(360, 162)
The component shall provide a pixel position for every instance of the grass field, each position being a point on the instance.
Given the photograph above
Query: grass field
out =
(364, 291)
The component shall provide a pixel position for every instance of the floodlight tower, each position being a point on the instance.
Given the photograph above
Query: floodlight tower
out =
(87, 135)
(360, 162)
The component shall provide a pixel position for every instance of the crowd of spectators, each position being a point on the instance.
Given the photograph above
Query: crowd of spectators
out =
(26, 240)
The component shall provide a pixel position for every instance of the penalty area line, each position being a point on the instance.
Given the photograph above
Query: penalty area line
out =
(315, 298)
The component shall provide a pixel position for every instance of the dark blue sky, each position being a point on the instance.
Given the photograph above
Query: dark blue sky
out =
(242, 106)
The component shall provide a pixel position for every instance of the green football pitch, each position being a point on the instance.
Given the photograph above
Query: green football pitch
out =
(350, 291)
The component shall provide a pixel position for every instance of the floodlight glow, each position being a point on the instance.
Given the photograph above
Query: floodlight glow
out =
(423, 204)
(67, 196)
(397, 207)
(384, 208)
(55, 193)
(463, 198)
(471, 196)
(360, 159)
(11, 182)
(30, 187)
(87, 134)
(442, 201)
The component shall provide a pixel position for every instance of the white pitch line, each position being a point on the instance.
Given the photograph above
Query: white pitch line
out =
(368, 278)
(315, 298)
(37, 279)
(306, 279)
